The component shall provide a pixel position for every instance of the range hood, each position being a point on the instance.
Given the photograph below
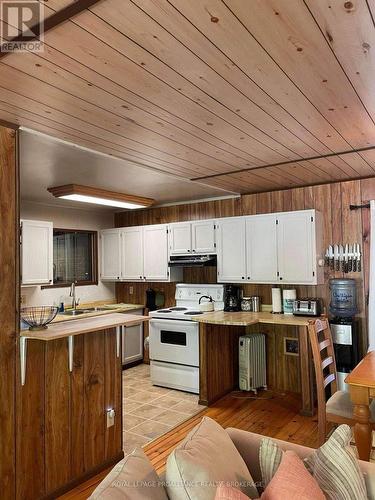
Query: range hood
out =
(192, 260)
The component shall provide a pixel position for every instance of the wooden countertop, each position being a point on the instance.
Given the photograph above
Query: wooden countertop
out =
(124, 308)
(84, 325)
(242, 318)
(364, 373)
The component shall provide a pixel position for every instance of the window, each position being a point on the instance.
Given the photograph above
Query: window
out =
(74, 257)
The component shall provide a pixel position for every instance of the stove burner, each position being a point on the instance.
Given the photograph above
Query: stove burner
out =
(164, 311)
(193, 313)
(178, 309)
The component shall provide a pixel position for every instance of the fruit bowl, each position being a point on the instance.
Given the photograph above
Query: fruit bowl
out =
(38, 317)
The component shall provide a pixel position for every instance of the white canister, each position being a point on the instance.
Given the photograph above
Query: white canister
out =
(289, 296)
(276, 300)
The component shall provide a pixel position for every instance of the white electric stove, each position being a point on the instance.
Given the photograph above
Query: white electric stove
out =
(174, 337)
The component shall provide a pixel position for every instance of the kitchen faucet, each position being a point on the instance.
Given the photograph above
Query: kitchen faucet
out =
(72, 294)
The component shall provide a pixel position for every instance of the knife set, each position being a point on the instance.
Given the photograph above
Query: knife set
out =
(346, 258)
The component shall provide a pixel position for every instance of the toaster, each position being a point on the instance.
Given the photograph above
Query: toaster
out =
(307, 307)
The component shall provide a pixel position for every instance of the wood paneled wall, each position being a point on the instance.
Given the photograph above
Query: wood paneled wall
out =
(9, 249)
(340, 225)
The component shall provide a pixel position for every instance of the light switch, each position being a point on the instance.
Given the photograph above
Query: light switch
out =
(111, 417)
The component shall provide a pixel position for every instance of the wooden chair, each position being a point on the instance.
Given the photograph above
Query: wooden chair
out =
(338, 409)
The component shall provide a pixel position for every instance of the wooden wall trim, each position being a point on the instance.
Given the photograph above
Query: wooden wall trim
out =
(9, 309)
(12, 126)
(287, 162)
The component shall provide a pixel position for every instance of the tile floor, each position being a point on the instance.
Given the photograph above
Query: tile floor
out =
(151, 411)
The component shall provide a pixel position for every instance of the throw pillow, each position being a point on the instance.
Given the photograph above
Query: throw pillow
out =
(270, 456)
(229, 493)
(336, 468)
(292, 481)
(206, 458)
(133, 478)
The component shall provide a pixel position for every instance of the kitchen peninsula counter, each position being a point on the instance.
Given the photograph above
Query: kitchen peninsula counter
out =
(70, 380)
(219, 334)
(84, 325)
(242, 318)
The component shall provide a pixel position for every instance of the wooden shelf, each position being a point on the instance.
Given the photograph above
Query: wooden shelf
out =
(86, 325)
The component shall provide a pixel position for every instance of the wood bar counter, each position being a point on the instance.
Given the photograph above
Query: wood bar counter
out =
(219, 334)
(62, 413)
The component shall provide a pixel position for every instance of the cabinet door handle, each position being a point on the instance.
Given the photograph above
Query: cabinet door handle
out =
(140, 277)
(188, 250)
(243, 277)
(144, 277)
(280, 277)
(248, 277)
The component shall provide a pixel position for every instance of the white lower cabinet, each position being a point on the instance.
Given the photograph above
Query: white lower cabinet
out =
(132, 344)
(36, 252)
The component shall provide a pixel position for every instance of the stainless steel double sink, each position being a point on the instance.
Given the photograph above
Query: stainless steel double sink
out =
(77, 312)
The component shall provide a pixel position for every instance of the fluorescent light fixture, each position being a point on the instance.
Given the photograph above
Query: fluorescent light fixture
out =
(98, 196)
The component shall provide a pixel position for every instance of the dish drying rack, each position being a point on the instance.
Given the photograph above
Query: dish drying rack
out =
(346, 258)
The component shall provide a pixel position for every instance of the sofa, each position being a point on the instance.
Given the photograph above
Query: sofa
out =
(247, 444)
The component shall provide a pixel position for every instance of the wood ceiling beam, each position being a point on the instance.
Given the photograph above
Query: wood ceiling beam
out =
(53, 21)
(286, 162)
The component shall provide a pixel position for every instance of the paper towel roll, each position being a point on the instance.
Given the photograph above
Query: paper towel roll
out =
(289, 296)
(276, 300)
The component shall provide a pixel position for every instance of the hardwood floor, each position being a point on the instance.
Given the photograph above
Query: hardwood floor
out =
(275, 415)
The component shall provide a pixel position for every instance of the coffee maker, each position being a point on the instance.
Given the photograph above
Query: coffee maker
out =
(232, 298)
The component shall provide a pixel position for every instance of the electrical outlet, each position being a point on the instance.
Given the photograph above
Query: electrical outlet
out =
(131, 290)
(23, 300)
(111, 417)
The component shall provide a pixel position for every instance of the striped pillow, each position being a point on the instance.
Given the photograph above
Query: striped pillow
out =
(333, 465)
(336, 468)
(270, 456)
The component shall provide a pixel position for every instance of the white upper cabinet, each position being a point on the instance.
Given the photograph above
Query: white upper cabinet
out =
(192, 237)
(268, 248)
(110, 255)
(155, 244)
(231, 246)
(132, 253)
(271, 248)
(298, 235)
(180, 238)
(261, 248)
(36, 252)
(137, 253)
(203, 237)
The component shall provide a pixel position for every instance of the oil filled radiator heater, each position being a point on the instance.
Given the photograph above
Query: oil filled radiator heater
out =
(252, 362)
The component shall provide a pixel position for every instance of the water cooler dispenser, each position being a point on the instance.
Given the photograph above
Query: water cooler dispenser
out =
(344, 327)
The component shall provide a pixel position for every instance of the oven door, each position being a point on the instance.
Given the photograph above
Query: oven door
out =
(174, 341)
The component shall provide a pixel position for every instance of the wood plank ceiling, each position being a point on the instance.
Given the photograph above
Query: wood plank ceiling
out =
(244, 95)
